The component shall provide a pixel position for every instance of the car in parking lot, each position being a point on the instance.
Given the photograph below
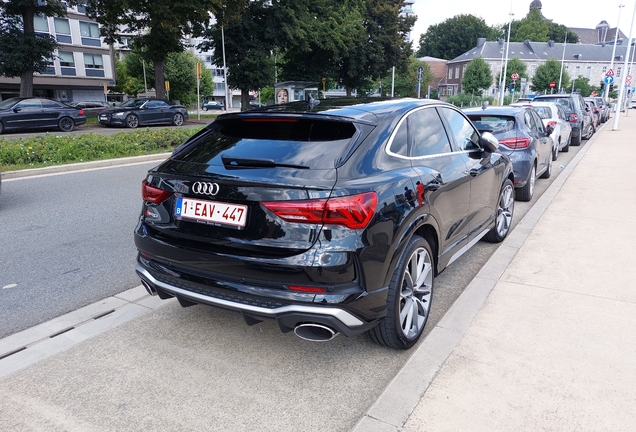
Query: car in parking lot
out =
(38, 113)
(91, 108)
(306, 214)
(604, 108)
(211, 105)
(552, 114)
(143, 112)
(523, 138)
(576, 110)
(595, 113)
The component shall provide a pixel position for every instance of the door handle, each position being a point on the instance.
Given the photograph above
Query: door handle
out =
(474, 172)
(433, 186)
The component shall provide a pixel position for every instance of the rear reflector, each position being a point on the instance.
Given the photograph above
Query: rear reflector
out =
(306, 289)
(515, 143)
(354, 211)
(153, 194)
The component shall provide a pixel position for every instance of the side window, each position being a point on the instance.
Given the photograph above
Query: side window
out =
(538, 123)
(399, 145)
(465, 135)
(427, 134)
(29, 104)
(529, 119)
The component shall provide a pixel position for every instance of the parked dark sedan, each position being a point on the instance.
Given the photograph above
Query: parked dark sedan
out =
(38, 113)
(523, 137)
(91, 108)
(307, 214)
(144, 112)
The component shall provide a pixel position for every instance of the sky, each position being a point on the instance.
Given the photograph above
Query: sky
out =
(572, 13)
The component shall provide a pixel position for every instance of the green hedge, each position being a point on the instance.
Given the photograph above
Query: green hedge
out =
(52, 149)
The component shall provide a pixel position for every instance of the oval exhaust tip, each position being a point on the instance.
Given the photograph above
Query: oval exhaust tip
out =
(315, 332)
(149, 288)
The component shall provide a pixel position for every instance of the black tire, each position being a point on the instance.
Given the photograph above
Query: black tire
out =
(567, 145)
(548, 172)
(204, 108)
(504, 213)
(132, 121)
(177, 119)
(66, 124)
(576, 141)
(408, 299)
(525, 193)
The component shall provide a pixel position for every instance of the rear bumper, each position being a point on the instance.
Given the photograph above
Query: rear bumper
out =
(287, 314)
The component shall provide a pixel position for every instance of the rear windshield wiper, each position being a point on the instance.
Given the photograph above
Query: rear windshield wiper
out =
(234, 162)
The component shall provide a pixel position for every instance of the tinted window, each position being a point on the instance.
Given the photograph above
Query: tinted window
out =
(492, 123)
(51, 104)
(399, 145)
(544, 112)
(311, 143)
(462, 130)
(157, 104)
(29, 104)
(531, 119)
(427, 133)
(564, 102)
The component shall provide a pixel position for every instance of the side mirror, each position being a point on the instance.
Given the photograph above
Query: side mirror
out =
(587, 108)
(549, 130)
(489, 142)
(17, 109)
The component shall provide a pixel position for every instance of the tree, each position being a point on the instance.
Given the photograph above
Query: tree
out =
(477, 76)
(406, 81)
(547, 73)
(454, 37)
(181, 72)
(250, 31)
(514, 66)
(557, 32)
(126, 83)
(583, 85)
(162, 25)
(22, 51)
(533, 27)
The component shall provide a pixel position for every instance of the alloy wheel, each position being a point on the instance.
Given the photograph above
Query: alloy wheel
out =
(416, 292)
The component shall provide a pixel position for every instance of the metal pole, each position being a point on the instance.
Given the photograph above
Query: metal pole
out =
(393, 82)
(607, 86)
(631, 94)
(562, 61)
(143, 65)
(503, 78)
(227, 101)
(624, 75)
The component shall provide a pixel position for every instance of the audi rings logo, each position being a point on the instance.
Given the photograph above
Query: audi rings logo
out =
(205, 188)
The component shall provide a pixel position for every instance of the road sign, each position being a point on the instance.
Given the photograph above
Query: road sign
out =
(610, 73)
(628, 80)
(552, 84)
(609, 79)
(514, 76)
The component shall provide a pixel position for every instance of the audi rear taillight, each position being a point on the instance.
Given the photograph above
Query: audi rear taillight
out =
(515, 143)
(354, 211)
(153, 194)
(573, 118)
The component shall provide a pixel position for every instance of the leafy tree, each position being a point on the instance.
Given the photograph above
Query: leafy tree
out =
(126, 83)
(583, 85)
(557, 32)
(455, 36)
(181, 72)
(547, 73)
(249, 30)
(22, 51)
(162, 25)
(477, 76)
(514, 65)
(533, 27)
(406, 81)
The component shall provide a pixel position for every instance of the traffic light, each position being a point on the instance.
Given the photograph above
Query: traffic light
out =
(512, 87)
(602, 86)
(611, 88)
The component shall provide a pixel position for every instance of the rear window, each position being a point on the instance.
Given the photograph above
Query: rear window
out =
(308, 143)
(564, 102)
(544, 112)
(492, 123)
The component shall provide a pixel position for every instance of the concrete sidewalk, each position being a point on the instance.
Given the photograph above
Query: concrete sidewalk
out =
(544, 338)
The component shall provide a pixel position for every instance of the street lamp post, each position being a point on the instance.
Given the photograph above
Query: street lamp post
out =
(624, 75)
(505, 71)
(565, 41)
(620, 8)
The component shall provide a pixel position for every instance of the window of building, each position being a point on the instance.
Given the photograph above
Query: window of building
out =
(89, 29)
(456, 71)
(81, 8)
(62, 30)
(604, 70)
(588, 72)
(41, 23)
(577, 71)
(126, 41)
(93, 61)
(66, 59)
(618, 71)
(219, 86)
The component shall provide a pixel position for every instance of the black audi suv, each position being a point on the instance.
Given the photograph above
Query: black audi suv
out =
(330, 216)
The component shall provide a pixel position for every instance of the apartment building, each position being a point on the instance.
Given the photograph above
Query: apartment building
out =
(82, 67)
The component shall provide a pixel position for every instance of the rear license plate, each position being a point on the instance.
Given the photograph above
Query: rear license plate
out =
(211, 212)
(103, 117)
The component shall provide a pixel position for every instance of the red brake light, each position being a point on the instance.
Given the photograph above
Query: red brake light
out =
(573, 118)
(354, 211)
(81, 111)
(552, 123)
(515, 143)
(153, 194)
